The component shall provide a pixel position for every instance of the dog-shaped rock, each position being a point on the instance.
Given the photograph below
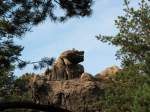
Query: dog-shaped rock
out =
(67, 66)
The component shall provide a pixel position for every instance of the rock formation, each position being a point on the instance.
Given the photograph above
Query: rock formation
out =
(86, 77)
(39, 89)
(108, 72)
(67, 86)
(67, 66)
(74, 94)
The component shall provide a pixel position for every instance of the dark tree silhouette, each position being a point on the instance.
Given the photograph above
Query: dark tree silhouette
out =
(19, 16)
(133, 36)
(30, 105)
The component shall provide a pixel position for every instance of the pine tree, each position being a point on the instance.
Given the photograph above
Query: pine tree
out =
(18, 17)
(133, 38)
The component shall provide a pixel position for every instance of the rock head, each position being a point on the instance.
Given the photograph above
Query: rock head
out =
(67, 66)
(72, 56)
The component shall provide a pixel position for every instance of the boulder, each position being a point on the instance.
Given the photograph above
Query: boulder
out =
(108, 72)
(74, 94)
(39, 89)
(67, 66)
(86, 77)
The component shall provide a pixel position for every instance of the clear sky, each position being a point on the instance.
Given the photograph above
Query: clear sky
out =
(50, 39)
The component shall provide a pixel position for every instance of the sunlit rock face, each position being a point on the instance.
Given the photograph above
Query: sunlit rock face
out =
(67, 66)
(66, 85)
(39, 89)
(74, 94)
(86, 77)
(108, 72)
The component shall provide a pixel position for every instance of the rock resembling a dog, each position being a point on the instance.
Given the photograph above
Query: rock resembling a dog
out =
(67, 66)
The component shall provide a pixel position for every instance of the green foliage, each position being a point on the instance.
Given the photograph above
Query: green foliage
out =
(19, 16)
(9, 52)
(20, 91)
(6, 84)
(22, 84)
(133, 36)
(128, 92)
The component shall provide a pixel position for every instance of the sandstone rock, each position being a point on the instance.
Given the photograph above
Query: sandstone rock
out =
(67, 86)
(71, 94)
(39, 89)
(67, 66)
(72, 56)
(74, 94)
(86, 77)
(108, 73)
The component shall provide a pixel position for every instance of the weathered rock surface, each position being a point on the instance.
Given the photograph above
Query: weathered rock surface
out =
(74, 94)
(108, 72)
(86, 77)
(39, 88)
(67, 86)
(67, 66)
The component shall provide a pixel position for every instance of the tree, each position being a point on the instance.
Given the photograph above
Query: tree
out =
(133, 38)
(127, 92)
(19, 16)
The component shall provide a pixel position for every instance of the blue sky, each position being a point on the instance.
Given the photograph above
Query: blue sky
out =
(50, 39)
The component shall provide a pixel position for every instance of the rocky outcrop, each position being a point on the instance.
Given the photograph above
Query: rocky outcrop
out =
(108, 73)
(74, 95)
(67, 66)
(86, 77)
(67, 86)
(39, 89)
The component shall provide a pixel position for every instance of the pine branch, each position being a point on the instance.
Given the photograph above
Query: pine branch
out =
(30, 105)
